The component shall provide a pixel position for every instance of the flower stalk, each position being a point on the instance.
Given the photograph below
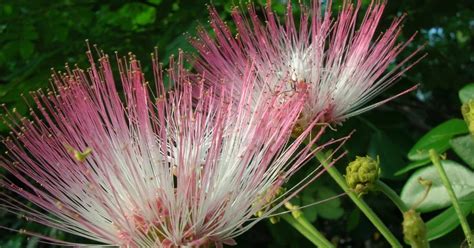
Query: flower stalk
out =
(298, 221)
(392, 195)
(444, 178)
(360, 203)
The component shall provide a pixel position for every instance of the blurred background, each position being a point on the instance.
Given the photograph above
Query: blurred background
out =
(38, 35)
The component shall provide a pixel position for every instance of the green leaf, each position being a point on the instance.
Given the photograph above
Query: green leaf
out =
(326, 209)
(29, 33)
(147, 16)
(7, 9)
(467, 93)
(447, 221)
(330, 210)
(353, 219)
(4, 88)
(308, 196)
(412, 166)
(26, 48)
(437, 198)
(33, 242)
(437, 139)
(391, 157)
(310, 214)
(464, 148)
(15, 242)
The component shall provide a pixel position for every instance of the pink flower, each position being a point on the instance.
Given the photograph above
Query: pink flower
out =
(343, 65)
(152, 170)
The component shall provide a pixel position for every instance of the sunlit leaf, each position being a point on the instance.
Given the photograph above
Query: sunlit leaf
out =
(461, 179)
(464, 148)
(447, 221)
(411, 166)
(437, 139)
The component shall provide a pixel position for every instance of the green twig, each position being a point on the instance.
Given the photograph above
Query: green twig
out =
(306, 229)
(336, 175)
(392, 195)
(444, 178)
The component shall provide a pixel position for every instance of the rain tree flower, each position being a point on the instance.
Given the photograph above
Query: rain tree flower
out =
(343, 64)
(144, 169)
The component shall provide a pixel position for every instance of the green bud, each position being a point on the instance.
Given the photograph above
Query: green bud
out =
(467, 110)
(414, 229)
(259, 213)
(362, 173)
(294, 209)
(274, 219)
(81, 156)
(266, 199)
(297, 130)
(78, 155)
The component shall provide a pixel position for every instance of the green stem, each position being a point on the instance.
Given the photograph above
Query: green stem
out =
(444, 178)
(392, 195)
(306, 229)
(336, 175)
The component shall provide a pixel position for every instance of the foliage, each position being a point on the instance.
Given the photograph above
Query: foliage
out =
(448, 135)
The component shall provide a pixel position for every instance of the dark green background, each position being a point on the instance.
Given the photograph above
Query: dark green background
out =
(38, 35)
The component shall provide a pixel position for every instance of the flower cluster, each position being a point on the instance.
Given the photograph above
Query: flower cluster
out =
(125, 162)
(140, 171)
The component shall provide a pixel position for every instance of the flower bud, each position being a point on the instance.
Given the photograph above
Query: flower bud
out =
(362, 173)
(78, 155)
(298, 129)
(268, 198)
(274, 219)
(414, 229)
(467, 110)
(294, 209)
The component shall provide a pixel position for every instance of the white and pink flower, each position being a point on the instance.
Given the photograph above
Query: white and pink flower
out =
(137, 171)
(344, 65)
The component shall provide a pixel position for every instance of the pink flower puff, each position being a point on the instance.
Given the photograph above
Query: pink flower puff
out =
(342, 64)
(149, 168)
